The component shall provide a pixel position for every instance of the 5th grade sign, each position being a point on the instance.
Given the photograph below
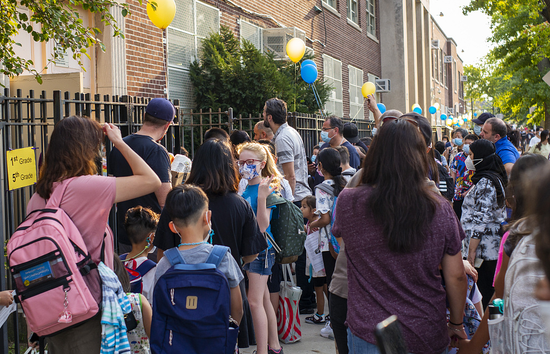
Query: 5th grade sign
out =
(21, 168)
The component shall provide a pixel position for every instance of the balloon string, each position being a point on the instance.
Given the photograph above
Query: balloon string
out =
(317, 99)
(295, 88)
(364, 99)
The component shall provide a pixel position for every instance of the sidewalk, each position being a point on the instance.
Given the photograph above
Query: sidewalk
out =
(311, 341)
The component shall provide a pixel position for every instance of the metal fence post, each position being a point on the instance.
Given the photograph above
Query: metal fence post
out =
(57, 107)
(230, 119)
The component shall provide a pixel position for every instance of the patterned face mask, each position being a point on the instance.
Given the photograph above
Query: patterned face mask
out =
(248, 172)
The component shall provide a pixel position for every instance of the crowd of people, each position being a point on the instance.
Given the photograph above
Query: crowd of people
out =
(430, 231)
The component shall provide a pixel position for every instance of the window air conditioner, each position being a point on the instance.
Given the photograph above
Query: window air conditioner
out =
(382, 85)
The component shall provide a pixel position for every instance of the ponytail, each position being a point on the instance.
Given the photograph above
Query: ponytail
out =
(330, 161)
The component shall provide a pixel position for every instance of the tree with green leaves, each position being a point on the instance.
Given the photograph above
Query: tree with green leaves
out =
(512, 71)
(51, 20)
(229, 74)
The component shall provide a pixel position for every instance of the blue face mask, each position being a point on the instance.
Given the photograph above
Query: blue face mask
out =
(466, 149)
(477, 129)
(313, 158)
(324, 136)
(248, 171)
(457, 141)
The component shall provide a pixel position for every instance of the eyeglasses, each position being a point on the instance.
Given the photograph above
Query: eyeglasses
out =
(390, 119)
(326, 129)
(248, 162)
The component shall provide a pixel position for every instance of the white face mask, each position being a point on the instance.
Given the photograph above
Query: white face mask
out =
(470, 164)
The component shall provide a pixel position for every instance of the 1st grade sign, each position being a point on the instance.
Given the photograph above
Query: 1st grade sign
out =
(21, 168)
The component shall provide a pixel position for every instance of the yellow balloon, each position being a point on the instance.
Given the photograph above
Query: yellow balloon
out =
(449, 122)
(460, 122)
(295, 49)
(163, 13)
(368, 88)
(455, 120)
(436, 105)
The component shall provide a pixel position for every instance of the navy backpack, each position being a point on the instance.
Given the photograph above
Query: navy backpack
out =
(192, 305)
(136, 275)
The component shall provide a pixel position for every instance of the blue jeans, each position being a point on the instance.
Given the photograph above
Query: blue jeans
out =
(357, 345)
(261, 265)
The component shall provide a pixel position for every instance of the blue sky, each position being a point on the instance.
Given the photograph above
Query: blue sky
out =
(469, 32)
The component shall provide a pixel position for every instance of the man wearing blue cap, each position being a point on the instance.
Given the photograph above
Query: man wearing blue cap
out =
(159, 114)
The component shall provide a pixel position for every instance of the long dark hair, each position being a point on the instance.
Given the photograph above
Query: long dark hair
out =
(72, 151)
(396, 166)
(214, 168)
(491, 167)
(426, 131)
(330, 161)
(539, 209)
(518, 195)
(543, 137)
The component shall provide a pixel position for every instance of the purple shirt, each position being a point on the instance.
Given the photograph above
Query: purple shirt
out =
(383, 283)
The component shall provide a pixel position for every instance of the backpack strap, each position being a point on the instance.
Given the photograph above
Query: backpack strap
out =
(216, 255)
(174, 257)
(325, 188)
(146, 266)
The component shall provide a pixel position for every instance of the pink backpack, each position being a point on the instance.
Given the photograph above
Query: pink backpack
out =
(57, 283)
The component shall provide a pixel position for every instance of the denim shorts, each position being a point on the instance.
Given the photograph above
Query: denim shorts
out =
(357, 345)
(259, 265)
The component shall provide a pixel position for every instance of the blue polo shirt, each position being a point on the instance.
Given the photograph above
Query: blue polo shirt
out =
(507, 151)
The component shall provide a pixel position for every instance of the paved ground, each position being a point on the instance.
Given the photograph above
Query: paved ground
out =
(311, 341)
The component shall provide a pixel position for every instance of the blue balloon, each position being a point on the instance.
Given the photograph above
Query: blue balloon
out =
(475, 114)
(417, 110)
(309, 73)
(443, 117)
(381, 107)
(309, 61)
(432, 110)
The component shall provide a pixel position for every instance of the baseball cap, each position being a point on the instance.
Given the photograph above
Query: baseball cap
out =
(351, 133)
(161, 108)
(483, 118)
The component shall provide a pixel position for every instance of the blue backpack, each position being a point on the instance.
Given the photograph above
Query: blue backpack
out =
(192, 305)
(136, 275)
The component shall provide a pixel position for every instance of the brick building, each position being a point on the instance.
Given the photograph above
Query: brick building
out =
(342, 34)
(447, 85)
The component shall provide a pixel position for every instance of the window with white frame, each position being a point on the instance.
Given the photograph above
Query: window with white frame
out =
(332, 71)
(455, 76)
(352, 11)
(331, 3)
(355, 96)
(371, 17)
(193, 22)
(441, 66)
(251, 33)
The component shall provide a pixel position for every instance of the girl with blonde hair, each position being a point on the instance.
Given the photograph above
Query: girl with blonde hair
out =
(256, 164)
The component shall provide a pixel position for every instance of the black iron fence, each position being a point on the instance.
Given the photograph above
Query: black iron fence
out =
(28, 121)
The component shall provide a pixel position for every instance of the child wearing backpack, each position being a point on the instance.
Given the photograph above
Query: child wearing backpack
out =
(140, 224)
(319, 278)
(141, 309)
(256, 164)
(197, 284)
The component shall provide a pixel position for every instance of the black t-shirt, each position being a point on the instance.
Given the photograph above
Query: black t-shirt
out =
(233, 222)
(156, 157)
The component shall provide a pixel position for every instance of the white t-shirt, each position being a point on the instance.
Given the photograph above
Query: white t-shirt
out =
(148, 279)
(534, 141)
(323, 206)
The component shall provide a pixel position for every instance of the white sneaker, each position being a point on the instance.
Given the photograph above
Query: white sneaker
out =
(327, 332)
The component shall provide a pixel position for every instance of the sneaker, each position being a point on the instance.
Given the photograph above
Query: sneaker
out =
(271, 351)
(327, 332)
(316, 319)
(307, 310)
